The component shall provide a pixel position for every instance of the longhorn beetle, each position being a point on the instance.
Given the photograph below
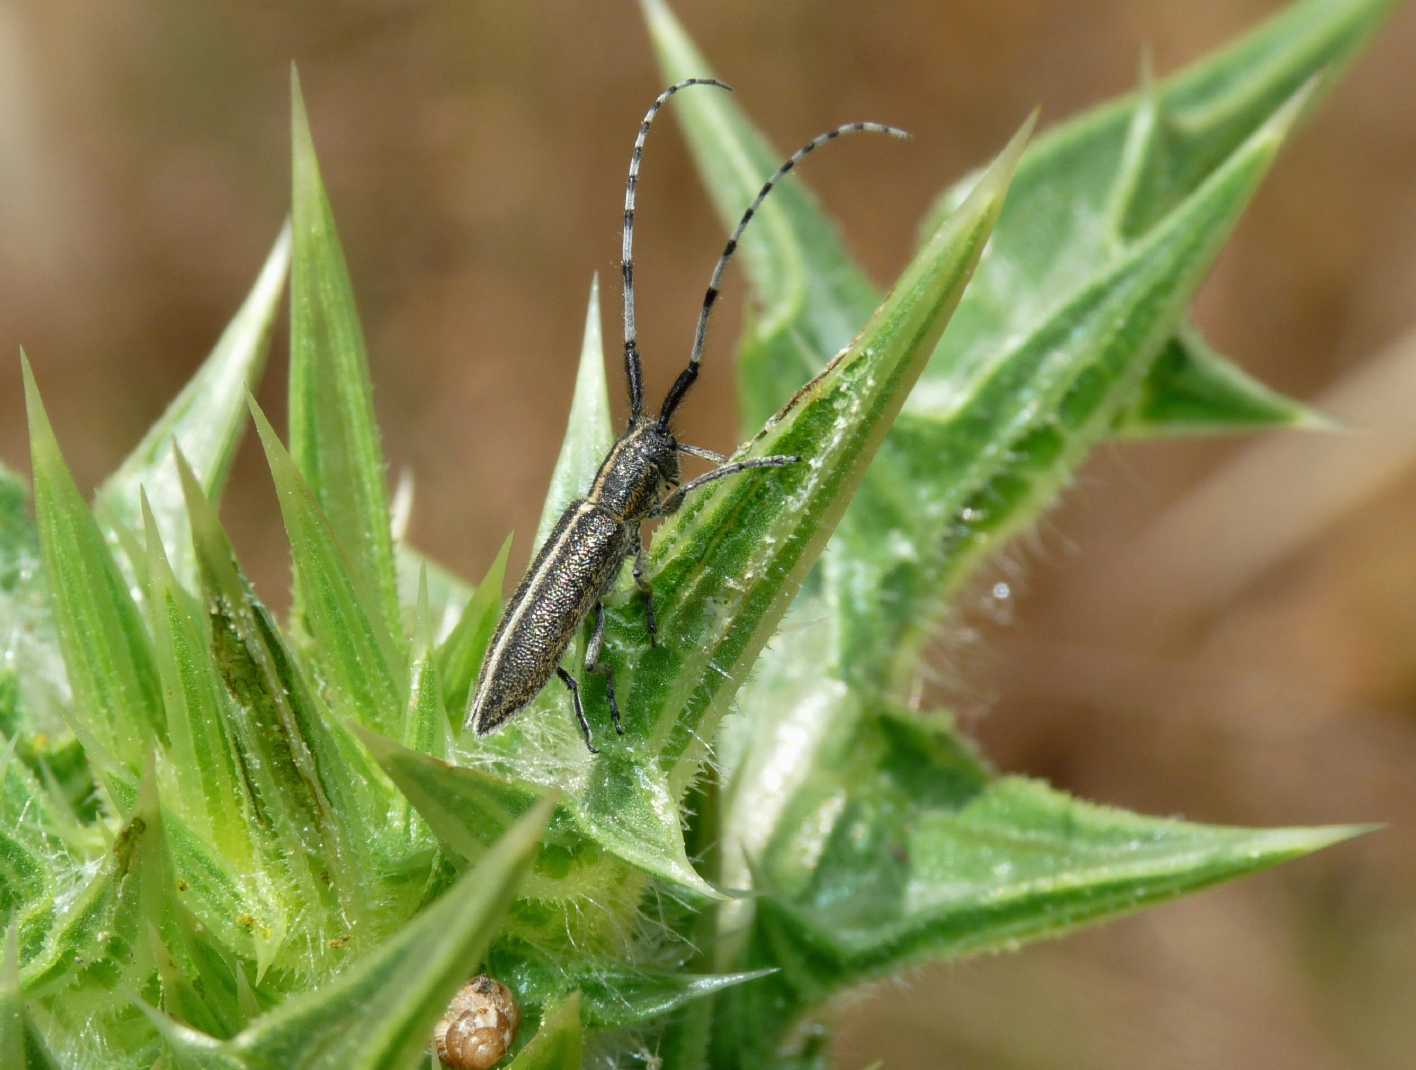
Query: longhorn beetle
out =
(596, 534)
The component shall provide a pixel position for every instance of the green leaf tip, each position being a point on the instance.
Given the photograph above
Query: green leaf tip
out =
(305, 164)
(1293, 110)
(589, 433)
(118, 707)
(334, 436)
(299, 117)
(1193, 389)
(1284, 844)
(39, 426)
(993, 185)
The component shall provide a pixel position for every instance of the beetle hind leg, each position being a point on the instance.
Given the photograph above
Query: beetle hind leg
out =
(574, 689)
(595, 665)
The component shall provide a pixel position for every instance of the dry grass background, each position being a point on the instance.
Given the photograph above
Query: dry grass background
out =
(1222, 629)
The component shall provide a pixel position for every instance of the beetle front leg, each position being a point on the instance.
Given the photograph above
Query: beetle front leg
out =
(671, 504)
(593, 664)
(574, 688)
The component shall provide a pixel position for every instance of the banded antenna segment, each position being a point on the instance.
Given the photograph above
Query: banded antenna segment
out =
(633, 370)
(687, 377)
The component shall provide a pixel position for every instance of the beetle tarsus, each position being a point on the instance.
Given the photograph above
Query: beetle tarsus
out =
(614, 703)
(574, 687)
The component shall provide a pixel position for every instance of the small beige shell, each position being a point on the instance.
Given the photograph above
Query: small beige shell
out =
(478, 1027)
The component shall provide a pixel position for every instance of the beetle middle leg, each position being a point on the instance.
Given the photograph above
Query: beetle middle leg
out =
(574, 688)
(672, 503)
(593, 664)
(641, 565)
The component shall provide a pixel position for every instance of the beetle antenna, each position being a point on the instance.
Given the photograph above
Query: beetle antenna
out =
(687, 377)
(633, 370)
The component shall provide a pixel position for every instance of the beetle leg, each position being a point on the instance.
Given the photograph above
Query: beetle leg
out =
(574, 687)
(699, 451)
(641, 562)
(673, 501)
(592, 664)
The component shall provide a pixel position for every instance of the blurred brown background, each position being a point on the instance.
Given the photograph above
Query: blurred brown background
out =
(1224, 629)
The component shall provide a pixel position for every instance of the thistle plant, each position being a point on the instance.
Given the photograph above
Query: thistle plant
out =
(230, 842)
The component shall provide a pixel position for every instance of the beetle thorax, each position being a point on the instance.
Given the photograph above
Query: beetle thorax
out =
(631, 480)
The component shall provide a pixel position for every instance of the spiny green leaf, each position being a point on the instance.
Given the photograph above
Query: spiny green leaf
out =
(315, 788)
(1196, 119)
(206, 419)
(683, 1038)
(333, 436)
(468, 809)
(588, 434)
(210, 792)
(989, 439)
(559, 1043)
(117, 711)
(378, 1014)
(460, 655)
(889, 851)
(351, 640)
(1016, 863)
